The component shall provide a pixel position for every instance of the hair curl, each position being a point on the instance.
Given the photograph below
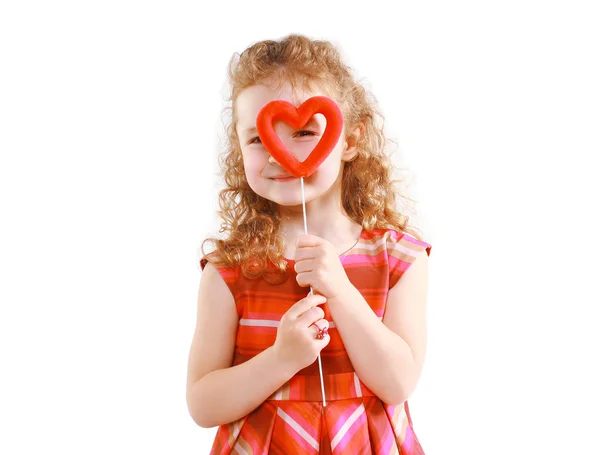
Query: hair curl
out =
(369, 194)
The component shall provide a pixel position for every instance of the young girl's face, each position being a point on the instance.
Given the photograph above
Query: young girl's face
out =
(265, 176)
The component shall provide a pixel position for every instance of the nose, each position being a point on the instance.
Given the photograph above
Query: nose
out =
(272, 160)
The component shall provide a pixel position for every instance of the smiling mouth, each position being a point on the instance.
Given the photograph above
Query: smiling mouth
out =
(284, 179)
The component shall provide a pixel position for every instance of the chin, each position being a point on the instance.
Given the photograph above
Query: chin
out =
(288, 203)
(291, 199)
(287, 195)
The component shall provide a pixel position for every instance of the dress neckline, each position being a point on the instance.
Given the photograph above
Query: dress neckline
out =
(345, 252)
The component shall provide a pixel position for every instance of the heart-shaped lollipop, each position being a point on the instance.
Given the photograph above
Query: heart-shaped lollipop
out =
(298, 117)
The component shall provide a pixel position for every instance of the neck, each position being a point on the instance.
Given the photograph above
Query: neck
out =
(326, 218)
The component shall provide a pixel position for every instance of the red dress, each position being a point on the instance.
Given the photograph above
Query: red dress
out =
(293, 420)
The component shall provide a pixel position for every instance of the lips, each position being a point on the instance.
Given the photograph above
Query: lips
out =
(286, 176)
(286, 179)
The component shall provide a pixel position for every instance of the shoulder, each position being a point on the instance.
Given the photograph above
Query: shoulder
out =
(400, 245)
(403, 252)
(405, 246)
(211, 261)
(218, 276)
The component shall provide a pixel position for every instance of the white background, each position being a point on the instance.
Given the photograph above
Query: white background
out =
(110, 117)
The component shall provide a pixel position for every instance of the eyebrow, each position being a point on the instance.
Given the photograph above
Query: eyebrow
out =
(311, 122)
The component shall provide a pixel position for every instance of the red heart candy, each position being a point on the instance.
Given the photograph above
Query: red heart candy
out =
(283, 110)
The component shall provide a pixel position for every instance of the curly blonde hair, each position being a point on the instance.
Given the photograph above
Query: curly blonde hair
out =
(369, 194)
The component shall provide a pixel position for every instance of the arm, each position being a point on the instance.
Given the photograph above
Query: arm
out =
(388, 356)
(216, 392)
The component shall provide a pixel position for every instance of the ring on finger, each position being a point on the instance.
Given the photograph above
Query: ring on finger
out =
(321, 333)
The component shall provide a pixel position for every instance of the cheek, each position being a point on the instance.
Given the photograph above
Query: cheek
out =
(253, 163)
(302, 149)
(332, 163)
(328, 172)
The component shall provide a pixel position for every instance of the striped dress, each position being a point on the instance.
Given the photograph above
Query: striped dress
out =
(291, 421)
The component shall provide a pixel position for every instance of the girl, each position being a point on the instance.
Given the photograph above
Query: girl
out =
(253, 367)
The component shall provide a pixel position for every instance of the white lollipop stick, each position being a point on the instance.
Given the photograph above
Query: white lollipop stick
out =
(311, 289)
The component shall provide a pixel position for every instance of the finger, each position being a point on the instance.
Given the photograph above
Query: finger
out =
(320, 329)
(320, 324)
(310, 316)
(302, 305)
(307, 240)
(304, 253)
(303, 266)
(304, 279)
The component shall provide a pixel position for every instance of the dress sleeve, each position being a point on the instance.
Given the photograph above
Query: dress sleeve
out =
(229, 275)
(403, 249)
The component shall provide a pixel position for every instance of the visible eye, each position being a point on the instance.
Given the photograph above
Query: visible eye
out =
(305, 131)
(256, 140)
